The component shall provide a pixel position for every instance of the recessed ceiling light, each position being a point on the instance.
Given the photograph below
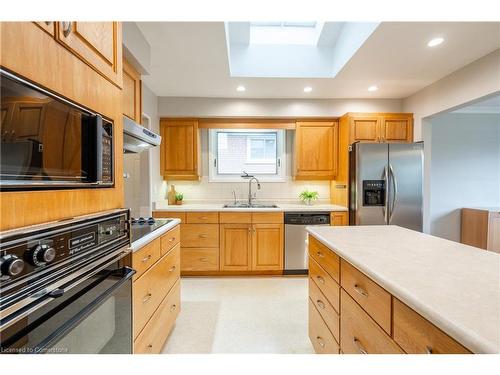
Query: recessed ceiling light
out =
(308, 89)
(373, 88)
(240, 88)
(435, 42)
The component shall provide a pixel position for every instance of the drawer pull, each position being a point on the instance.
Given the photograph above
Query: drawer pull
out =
(173, 307)
(146, 258)
(147, 298)
(202, 218)
(320, 254)
(203, 259)
(203, 236)
(428, 350)
(320, 341)
(172, 269)
(320, 279)
(359, 346)
(171, 239)
(360, 290)
(320, 303)
(150, 346)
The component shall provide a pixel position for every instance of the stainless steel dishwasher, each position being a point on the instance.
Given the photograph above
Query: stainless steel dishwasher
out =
(296, 258)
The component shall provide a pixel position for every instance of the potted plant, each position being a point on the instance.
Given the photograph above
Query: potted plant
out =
(178, 198)
(308, 196)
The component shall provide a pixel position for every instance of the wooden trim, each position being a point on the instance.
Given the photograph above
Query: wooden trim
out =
(231, 273)
(245, 123)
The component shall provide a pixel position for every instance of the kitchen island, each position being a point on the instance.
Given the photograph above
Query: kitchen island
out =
(414, 292)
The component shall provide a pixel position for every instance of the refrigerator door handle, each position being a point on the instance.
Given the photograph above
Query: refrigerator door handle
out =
(395, 194)
(385, 207)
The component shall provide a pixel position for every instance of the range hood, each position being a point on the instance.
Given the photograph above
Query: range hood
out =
(137, 138)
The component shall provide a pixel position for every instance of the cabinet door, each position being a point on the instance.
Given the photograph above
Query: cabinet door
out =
(132, 93)
(267, 247)
(179, 149)
(99, 44)
(339, 218)
(316, 150)
(396, 128)
(365, 129)
(235, 247)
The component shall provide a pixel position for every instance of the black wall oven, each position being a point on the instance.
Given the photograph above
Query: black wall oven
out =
(49, 142)
(67, 288)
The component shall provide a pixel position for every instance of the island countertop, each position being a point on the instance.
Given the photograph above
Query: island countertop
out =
(454, 286)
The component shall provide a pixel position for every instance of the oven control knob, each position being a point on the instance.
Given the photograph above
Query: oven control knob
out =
(11, 265)
(42, 254)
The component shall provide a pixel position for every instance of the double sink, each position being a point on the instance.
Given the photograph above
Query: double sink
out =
(249, 205)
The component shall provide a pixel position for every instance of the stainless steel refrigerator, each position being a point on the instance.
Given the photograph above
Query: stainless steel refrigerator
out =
(386, 184)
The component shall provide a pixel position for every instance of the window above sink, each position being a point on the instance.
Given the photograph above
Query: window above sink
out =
(259, 152)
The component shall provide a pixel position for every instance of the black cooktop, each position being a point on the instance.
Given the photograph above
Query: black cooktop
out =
(143, 226)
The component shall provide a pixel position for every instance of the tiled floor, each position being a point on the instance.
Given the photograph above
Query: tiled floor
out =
(241, 315)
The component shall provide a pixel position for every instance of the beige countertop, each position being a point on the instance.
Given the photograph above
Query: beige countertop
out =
(454, 286)
(282, 207)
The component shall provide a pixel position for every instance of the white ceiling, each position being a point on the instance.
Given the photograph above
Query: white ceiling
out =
(189, 59)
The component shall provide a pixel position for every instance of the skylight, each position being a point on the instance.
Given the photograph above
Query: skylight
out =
(285, 33)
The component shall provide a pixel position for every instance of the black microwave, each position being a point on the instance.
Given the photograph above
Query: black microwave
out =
(49, 142)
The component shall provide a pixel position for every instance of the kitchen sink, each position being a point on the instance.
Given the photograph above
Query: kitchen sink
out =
(246, 205)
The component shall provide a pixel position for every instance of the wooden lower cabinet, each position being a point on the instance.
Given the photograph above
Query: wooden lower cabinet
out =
(321, 337)
(339, 218)
(359, 334)
(155, 333)
(372, 321)
(235, 247)
(199, 259)
(267, 247)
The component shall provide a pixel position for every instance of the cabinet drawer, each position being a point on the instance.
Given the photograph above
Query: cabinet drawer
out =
(199, 259)
(200, 235)
(417, 335)
(325, 257)
(150, 289)
(153, 336)
(359, 334)
(319, 334)
(170, 215)
(326, 310)
(267, 218)
(170, 239)
(370, 296)
(325, 283)
(235, 217)
(145, 257)
(202, 217)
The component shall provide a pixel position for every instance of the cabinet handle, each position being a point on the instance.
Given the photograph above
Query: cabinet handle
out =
(146, 258)
(150, 346)
(173, 307)
(147, 298)
(359, 346)
(48, 22)
(202, 218)
(428, 350)
(203, 236)
(320, 279)
(203, 260)
(172, 269)
(66, 26)
(171, 239)
(320, 341)
(360, 290)
(321, 304)
(320, 254)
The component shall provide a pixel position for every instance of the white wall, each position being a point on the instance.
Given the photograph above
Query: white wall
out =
(464, 168)
(220, 107)
(474, 81)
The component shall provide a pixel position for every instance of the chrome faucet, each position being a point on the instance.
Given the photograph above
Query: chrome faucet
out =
(250, 178)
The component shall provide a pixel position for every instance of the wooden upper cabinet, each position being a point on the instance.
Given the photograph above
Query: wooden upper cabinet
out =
(380, 127)
(99, 44)
(316, 150)
(396, 128)
(132, 93)
(267, 247)
(179, 149)
(235, 247)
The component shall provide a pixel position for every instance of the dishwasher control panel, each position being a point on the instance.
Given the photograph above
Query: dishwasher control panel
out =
(299, 218)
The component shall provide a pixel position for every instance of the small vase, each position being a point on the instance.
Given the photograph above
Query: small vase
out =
(178, 203)
(308, 202)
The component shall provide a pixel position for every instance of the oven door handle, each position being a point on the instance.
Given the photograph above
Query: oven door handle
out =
(82, 314)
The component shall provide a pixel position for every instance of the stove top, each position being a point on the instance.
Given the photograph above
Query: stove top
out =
(141, 227)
